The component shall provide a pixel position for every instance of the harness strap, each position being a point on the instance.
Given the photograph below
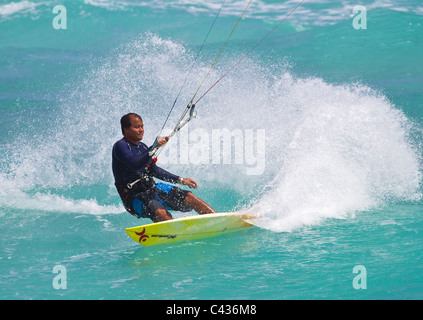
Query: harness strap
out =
(144, 176)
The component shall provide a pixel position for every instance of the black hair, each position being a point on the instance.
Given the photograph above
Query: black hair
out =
(125, 121)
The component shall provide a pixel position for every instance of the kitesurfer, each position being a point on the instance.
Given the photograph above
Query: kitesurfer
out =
(134, 168)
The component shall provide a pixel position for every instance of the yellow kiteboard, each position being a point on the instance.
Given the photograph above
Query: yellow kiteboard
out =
(189, 228)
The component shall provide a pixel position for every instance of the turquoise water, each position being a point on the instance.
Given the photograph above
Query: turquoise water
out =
(337, 176)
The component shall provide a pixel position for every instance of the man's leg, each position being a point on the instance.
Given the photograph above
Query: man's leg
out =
(197, 204)
(161, 215)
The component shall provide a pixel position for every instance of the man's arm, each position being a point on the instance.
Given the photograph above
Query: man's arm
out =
(167, 176)
(162, 174)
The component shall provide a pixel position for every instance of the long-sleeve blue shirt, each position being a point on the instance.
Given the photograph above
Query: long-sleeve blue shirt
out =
(129, 162)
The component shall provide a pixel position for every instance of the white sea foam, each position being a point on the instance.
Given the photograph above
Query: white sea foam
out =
(349, 151)
(14, 197)
(20, 8)
(311, 12)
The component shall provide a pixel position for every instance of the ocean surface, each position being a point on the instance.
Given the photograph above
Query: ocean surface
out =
(325, 118)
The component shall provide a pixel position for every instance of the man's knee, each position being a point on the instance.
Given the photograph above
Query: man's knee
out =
(162, 215)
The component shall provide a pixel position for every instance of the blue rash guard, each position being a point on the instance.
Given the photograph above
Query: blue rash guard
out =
(131, 162)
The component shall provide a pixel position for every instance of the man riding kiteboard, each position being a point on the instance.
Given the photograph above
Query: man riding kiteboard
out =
(134, 168)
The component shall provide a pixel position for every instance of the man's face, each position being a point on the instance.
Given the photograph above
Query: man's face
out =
(135, 132)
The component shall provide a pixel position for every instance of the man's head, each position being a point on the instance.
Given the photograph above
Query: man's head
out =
(132, 127)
